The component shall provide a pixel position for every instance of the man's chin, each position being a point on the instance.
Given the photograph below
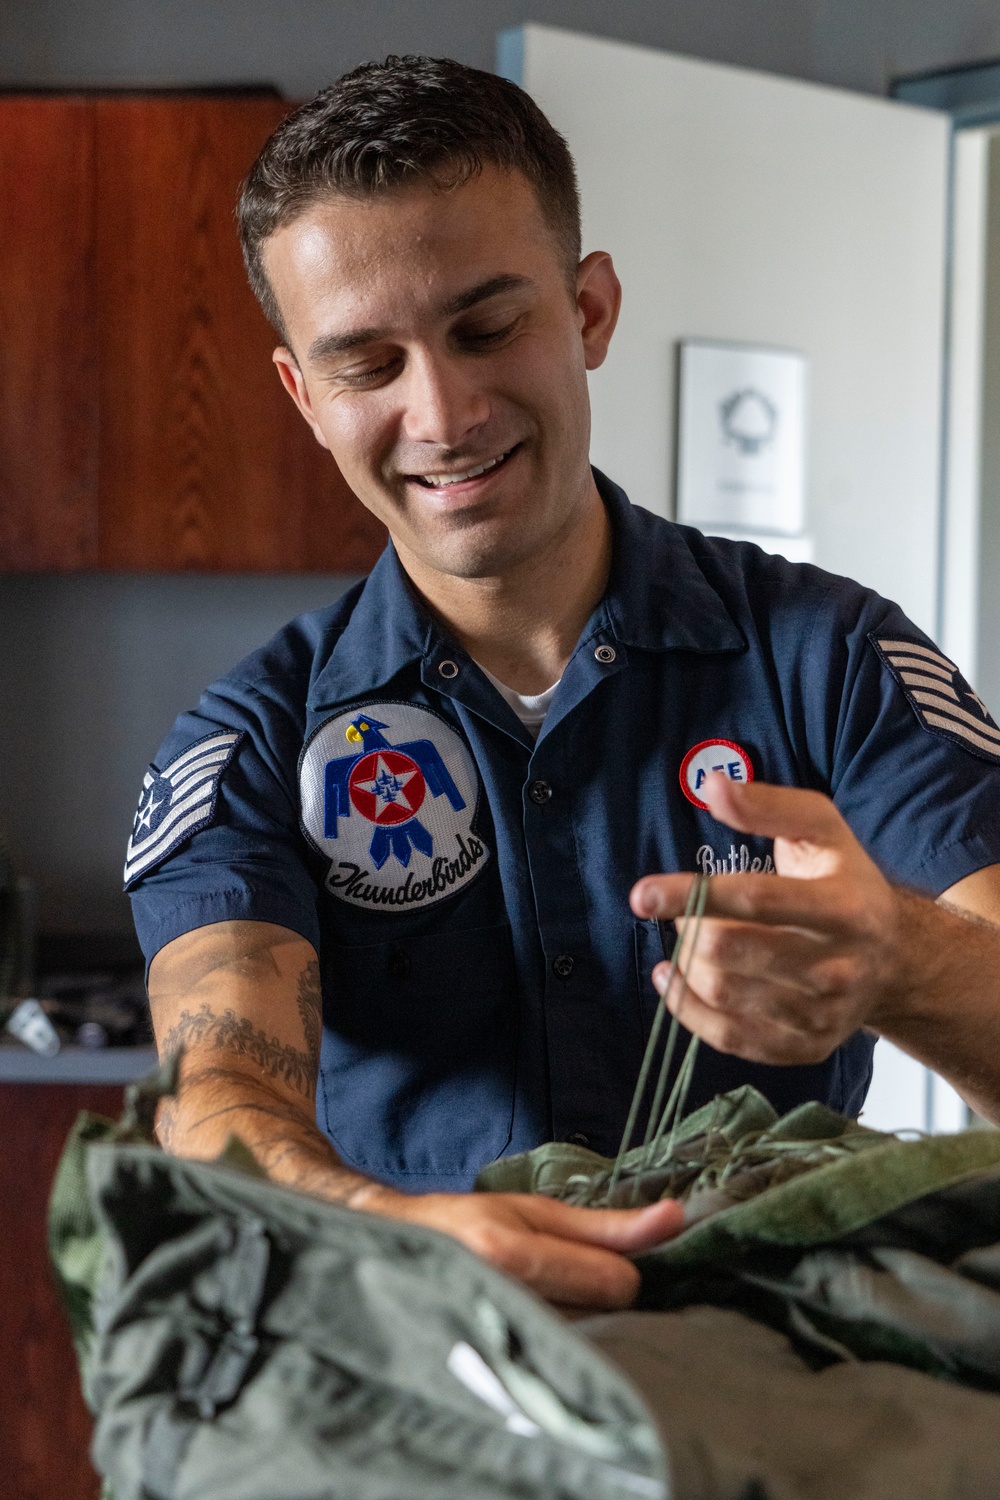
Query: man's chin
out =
(474, 552)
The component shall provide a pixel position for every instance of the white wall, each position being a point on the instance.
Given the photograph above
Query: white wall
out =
(971, 615)
(964, 469)
(748, 207)
(988, 582)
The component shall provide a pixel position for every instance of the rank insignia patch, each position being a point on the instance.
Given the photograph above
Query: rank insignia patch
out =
(939, 695)
(177, 801)
(389, 800)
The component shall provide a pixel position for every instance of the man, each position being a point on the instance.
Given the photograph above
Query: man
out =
(394, 849)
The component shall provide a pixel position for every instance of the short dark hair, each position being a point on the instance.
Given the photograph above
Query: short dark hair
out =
(389, 124)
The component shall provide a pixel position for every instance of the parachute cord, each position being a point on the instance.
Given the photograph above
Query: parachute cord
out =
(674, 1111)
(697, 897)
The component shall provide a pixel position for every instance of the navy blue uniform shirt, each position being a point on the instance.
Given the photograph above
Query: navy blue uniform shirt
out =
(485, 985)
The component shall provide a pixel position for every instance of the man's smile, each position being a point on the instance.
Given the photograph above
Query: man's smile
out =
(465, 478)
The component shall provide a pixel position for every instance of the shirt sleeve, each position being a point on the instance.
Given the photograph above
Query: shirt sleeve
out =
(906, 748)
(242, 855)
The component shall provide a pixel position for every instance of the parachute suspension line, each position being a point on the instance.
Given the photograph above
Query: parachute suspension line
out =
(695, 907)
(673, 1112)
(668, 1052)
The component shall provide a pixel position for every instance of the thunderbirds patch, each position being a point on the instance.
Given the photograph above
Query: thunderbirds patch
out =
(939, 695)
(394, 813)
(177, 801)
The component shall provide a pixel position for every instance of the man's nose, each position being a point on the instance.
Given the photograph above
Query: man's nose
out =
(445, 401)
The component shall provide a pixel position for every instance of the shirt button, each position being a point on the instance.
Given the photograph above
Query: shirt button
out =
(448, 669)
(606, 655)
(563, 966)
(540, 792)
(578, 1139)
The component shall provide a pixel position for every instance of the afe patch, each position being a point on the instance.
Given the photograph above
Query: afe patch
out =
(939, 695)
(713, 755)
(390, 801)
(177, 801)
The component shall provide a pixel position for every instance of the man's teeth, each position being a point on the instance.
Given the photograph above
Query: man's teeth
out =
(438, 481)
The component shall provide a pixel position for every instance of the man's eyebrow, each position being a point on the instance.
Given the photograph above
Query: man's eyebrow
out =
(486, 289)
(329, 344)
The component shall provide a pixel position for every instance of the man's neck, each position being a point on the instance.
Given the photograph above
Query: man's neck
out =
(523, 625)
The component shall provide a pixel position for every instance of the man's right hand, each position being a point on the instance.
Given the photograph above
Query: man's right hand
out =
(574, 1257)
(243, 998)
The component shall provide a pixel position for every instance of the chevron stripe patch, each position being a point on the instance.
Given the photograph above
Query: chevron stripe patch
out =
(177, 801)
(939, 695)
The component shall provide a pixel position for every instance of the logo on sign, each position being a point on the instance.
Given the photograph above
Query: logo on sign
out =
(713, 755)
(395, 813)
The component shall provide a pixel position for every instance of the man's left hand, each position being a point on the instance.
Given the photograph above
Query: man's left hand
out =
(788, 965)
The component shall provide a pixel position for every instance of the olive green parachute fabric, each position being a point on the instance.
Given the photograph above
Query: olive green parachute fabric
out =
(241, 1341)
(856, 1243)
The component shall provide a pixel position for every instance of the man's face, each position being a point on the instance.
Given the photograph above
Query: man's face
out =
(437, 351)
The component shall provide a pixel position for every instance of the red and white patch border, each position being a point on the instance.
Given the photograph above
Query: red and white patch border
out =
(708, 745)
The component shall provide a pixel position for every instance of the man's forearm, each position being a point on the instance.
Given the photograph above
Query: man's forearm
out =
(243, 1000)
(946, 1011)
(217, 1101)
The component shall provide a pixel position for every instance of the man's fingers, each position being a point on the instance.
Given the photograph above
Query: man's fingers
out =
(573, 1256)
(757, 1038)
(755, 1001)
(773, 899)
(576, 1256)
(790, 955)
(775, 812)
(626, 1230)
(573, 1275)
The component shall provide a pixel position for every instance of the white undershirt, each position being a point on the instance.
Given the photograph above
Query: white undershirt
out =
(530, 708)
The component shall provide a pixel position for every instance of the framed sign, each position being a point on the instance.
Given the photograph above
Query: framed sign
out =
(741, 437)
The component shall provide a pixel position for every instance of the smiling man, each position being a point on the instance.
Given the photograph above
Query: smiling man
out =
(392, 853)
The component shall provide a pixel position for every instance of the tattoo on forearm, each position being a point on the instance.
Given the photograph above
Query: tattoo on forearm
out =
(237, 1034)
(282, 1137)
(310, 1002)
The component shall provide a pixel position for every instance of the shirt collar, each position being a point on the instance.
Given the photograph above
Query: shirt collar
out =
(388, 630)
(658, 599)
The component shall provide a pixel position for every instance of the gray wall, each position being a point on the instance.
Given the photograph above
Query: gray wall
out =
(93, 671)
(301, 44)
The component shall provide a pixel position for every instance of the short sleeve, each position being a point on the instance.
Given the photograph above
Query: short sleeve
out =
(915, 765)
(242, 855)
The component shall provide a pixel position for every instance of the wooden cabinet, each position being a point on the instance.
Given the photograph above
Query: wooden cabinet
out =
(45, 1426)
(48, 335)
(142, 424)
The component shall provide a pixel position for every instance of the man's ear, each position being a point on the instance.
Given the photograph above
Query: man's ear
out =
(291, 379)
(598, 300)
